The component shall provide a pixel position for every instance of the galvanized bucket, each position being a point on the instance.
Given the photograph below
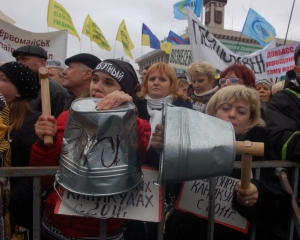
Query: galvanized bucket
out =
(196, 146)
(99, 154)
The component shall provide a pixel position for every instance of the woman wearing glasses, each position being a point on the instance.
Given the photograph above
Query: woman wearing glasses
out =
(237, 74)
(201, 90)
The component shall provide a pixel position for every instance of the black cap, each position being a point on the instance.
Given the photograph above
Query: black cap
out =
(297, 53)
(87, 59)
(23, 78)
(30, 50)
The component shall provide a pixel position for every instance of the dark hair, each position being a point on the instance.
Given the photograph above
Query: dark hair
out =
(147, 67)
(241, 71)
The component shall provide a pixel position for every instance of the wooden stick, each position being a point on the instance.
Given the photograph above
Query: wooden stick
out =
(248, 149)
(246, 171)
(45, 95)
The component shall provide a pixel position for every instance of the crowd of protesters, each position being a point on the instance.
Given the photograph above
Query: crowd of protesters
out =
(258, 109)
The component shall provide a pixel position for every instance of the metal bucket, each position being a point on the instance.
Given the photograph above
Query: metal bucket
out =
(196, 146)
(99, 154)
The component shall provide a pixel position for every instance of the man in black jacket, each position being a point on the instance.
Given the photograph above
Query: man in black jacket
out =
(36, 57)
(283, 117)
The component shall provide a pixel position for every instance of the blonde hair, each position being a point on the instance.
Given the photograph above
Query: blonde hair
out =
(169, 72)
(277, 87)
(202, 68)
(248, 95)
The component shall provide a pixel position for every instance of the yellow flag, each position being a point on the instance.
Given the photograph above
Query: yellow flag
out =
(96, 35)
(59, 18)
(124, 38)
(86, 26)
(168, 48)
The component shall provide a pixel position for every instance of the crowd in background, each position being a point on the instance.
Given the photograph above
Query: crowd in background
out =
(258, 109)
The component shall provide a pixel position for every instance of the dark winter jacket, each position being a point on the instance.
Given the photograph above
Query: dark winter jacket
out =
(58, 94)
(283, 121)
(20, 206)
(270, 213)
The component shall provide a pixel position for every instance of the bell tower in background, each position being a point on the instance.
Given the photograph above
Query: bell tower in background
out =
(214, 13)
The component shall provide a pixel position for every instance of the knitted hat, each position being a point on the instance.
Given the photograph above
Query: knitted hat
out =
(121, 71)
(30, 50)
(23, 78)
(87, 59)
(263, 81)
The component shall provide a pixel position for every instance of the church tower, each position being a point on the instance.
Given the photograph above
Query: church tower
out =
(214, 13)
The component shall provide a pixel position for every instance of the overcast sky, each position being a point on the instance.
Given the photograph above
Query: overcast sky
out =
(31, 15)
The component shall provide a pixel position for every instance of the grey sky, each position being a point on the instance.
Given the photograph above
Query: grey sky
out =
(31, 15)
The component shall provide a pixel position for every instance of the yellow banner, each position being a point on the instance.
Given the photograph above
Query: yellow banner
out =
(124, 38)
(86, 26)
(96, 35)
(60, 19)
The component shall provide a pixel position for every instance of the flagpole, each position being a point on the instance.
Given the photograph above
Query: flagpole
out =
(91, 47)
(114, 49)
(80, 43)
(289, 23)
(237, 43)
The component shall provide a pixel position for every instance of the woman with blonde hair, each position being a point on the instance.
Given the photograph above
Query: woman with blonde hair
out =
(202, 75)
(241, 101)
(265, 203)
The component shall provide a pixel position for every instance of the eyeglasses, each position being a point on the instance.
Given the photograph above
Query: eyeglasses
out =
(231, 80)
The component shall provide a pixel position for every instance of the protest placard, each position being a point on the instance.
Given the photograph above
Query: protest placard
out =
(144, 202)
(194, 198)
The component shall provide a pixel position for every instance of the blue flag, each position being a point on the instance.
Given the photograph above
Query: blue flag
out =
(180, 8)
(173, 38)
(257, 28)
(149, 39)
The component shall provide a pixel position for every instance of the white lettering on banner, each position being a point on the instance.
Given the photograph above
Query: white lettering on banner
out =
(12, 37)
(108, 67)
(143, 203)
(194, 198)
(205, 47)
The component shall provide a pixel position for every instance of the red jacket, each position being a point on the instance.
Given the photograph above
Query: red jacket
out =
(73, 226)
